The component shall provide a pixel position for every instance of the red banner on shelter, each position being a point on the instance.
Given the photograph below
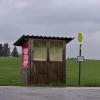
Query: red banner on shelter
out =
(25, 55)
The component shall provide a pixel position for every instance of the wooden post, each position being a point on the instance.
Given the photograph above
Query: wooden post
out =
(48, 47)
(30, 61)
(64, 61)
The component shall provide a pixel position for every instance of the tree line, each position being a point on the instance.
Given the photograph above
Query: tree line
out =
(5, 51)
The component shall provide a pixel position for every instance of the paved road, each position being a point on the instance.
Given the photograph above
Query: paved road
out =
(31, 93)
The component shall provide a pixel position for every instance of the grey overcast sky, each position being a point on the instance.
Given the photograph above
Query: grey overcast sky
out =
(53, 18)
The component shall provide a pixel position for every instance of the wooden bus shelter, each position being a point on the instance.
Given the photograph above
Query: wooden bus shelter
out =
(43, 59)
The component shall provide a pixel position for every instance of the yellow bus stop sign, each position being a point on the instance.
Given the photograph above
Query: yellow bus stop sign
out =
(80, 38)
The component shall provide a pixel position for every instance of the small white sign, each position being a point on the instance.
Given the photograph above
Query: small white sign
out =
(80, 58)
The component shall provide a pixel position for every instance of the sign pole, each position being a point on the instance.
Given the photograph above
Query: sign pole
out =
(80, 57)
(79, 81)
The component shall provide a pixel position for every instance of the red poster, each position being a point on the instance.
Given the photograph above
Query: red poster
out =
(25, 55)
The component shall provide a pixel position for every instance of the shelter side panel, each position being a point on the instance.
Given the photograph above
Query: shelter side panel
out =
(43, 72)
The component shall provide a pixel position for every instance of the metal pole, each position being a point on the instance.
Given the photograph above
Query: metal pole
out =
(79, 81)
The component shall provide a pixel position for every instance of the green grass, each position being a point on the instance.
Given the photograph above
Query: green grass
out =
(90, 73)
(10, 72)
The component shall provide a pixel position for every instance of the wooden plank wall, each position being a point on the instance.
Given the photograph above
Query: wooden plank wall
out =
(46, 72)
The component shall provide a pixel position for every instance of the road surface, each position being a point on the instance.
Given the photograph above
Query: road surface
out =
(40, 93)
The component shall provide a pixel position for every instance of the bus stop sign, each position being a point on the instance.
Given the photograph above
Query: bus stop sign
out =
(80, 38)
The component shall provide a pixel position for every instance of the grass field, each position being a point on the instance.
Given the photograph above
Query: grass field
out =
(10, 71)
(90, 72)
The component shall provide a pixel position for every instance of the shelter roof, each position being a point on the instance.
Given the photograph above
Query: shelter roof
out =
(20, 41)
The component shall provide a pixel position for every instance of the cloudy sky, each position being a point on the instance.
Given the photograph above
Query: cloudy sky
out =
(53, 18)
